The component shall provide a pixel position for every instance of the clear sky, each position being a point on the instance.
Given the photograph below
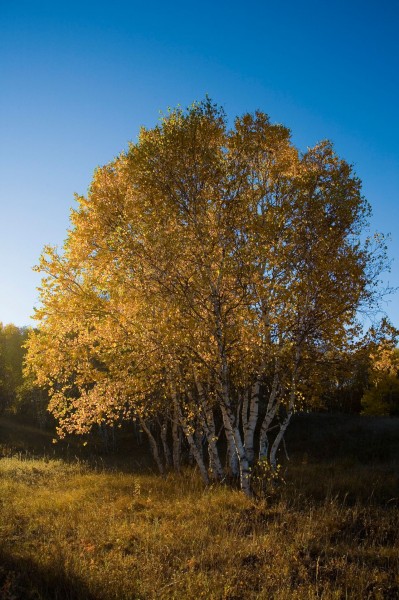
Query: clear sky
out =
(77, 79)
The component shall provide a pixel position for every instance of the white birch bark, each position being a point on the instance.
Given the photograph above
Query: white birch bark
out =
(214, 458)
(208, 424)
(164, 438)
(154, 447)
(232, 457)
(244, 410)
(199, 440)
(232, 454)
(271, 410)
(232, 431)
(230, 422)
(249, 427)
(189, 433)
(279, 437)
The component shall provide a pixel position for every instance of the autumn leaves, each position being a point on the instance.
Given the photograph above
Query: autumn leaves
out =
(205, 276)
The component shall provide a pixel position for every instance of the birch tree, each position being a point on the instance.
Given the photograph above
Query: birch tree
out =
(204, 271)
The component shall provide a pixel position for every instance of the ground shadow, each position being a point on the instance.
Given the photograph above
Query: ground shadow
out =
(23, 579)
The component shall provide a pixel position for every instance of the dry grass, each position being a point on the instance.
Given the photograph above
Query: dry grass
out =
(70, 531)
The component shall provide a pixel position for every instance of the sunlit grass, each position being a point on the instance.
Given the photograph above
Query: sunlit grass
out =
(68, 531)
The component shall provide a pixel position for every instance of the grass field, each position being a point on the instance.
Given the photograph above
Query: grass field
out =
(83, 529)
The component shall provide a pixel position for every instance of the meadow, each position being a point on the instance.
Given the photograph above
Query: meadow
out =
(81, 525)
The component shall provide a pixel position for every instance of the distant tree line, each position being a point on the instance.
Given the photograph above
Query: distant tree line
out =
(365, 381)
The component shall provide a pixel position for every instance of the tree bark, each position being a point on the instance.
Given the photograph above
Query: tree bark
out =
(154, 447)
(249, 427)
(164, 438)
(189, 433)
(278, 439)
(176, 441)
(271, 410)
(233, 433)
(208, 423)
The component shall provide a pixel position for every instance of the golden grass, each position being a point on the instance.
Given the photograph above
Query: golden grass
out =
(68, 531)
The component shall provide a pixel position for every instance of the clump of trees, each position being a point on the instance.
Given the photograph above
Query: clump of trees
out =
(208, 279)
(381, 395)
(18, 393)
(12, 339)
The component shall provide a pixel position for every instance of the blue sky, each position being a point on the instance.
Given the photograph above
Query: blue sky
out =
(78, 80)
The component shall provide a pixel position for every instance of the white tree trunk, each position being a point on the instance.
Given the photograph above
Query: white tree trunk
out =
(189, 433)
(164, 438)
(249, 427)
(232, 457)
(214, 457)
(215, 466)
(154, 447)
(271, 410)
(278, 439)
(232, 431)
(208, 424)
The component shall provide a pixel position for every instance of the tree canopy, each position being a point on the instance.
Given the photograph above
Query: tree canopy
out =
(206, 277)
